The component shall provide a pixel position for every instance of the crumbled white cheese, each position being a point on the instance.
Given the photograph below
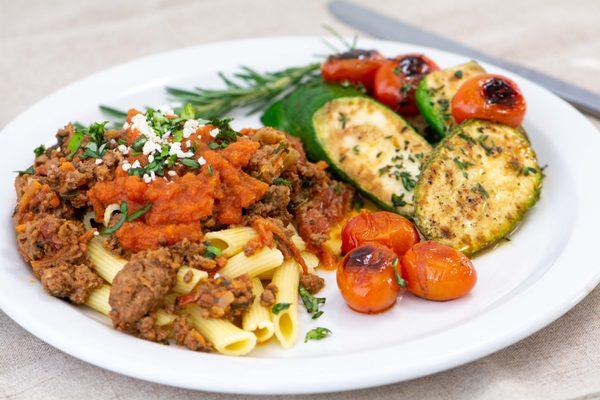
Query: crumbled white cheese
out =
(96, 233)
(98, 161)
(126, 166)
(190, 126)
(113, 142)
(140, 124)
(150, 158)
(201, 161)
(152, 175)
(166, 135)
(176, 150)
(172, 173)
(214, 132)
(147, 178)
(188, 143)
(136, 164)
(123, 149)
(126, 125)
(150, 147)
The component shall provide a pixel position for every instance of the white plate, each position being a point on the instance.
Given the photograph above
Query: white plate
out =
(549, 265)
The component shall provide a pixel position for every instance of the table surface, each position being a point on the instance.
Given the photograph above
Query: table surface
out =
(46, 45)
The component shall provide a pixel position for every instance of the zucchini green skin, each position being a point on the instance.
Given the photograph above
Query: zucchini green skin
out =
(435, 92)
(312, 105)
(472, 203)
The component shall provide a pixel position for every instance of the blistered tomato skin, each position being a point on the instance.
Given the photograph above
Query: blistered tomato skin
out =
(357, 67)
(387, 228)
(490, 97)
(397, 79)
(437, 272)
(366, 278)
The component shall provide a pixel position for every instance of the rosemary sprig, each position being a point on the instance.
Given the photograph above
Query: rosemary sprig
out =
(246, 88)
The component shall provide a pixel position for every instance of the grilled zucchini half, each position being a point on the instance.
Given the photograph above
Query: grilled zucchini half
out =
(364, 142)
(476, 186)
(435, 92)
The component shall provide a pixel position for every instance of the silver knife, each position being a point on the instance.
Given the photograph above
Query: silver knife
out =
(383, 27)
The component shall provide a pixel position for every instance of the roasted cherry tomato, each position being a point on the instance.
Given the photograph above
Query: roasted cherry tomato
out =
(392, 230)
(397, 79)
(354, 66)
(491, 97)
(434, 271)
(367, 278)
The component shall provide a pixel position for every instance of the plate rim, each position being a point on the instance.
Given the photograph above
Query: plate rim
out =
(375, 376)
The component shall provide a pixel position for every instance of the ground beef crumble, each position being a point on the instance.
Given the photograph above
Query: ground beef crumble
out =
(268, 296)
(189, 337)
(312, 282)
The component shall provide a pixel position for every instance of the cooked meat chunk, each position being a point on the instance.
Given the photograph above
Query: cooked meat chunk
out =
(274, 204)
(313, 283)
(139, 288)
(192, 254)
(146, 328)
(73, 282)
(271, 160)
(267, 298)
(35, 198)
(221, 297)
(50, 241)
(189, 337)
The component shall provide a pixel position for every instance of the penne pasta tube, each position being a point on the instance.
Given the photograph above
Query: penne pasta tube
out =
(287, 278)
(311, 260)
(187, 279)
(231, 241)
(258, 318)
(262, 261)
(98, 300)
(225, 336)
(106, 264)
(164, 318)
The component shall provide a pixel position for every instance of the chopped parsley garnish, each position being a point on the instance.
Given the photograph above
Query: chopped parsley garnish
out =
(280, 307)
(28, 171)
(75, 141)
(408, 181)
(343, 119)
(210, 170)
(112, 229)
(463, 165)
(458, 74)
(317, 334)
(38, 151)
(139, 212)
(356, 149)
(398, 201)
(311, 302)
(139, 143)
(188, 162)
(529, 170)
(401, 282)
(282, 182)
(212, 251)
(480, 189)
(467, 137)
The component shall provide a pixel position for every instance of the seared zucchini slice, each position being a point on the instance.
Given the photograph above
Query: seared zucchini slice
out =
(476, 186)
(435, 92)
(364, 142)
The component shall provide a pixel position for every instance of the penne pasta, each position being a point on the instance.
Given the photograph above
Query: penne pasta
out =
(287, 278)
(98, 300)
(225, 336)
(106, 264)
(164, 318)
(311, 260)
(258, 318)
(262, 261)
(193, 275)
(231, 241)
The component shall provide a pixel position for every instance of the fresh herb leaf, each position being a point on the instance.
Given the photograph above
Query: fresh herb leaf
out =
(139, 143)
(75, 142)
(356, 149)
(280, 307)
(139, 212)
(112, 229)
(408, 181)
(212, 251)
(318, 333)
(188, 162)
(467, 137)
(210, 170)
(311, 302)
(28, 171)
(343, 119)
(317, 315)
(480, 189)
(282, 182)
(397, 275)
(188, 111)
(38, 151)
(529, 170)
(398, 201)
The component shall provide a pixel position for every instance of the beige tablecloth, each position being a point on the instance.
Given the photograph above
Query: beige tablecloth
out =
(47, 44)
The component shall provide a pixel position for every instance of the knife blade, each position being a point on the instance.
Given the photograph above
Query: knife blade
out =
(384, 27)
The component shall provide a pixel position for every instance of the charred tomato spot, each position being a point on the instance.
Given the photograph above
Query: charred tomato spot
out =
(355, 54)
(498, 91)
(413, 66)
(368, 256)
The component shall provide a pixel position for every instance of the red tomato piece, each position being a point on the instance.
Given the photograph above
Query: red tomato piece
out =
(434, 271)
(490, 97)
(397, 79)
(387, 228)
(357, 67)
(367, 278)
